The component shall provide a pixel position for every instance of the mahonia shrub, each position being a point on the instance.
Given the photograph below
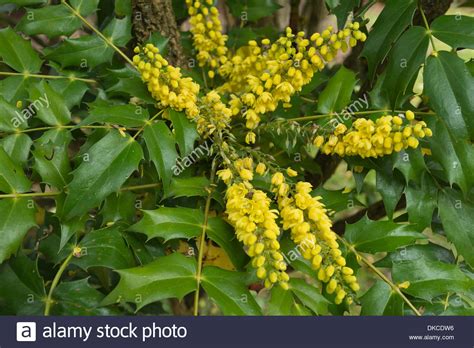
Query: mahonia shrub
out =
(279, 172)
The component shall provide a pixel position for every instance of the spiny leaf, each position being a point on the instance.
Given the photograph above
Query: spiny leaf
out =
(86, 52)
(392, 21)
(457, 216)
(162, 149)
(170, 276)
(457, 31)
(375, 236)
(380, 299)
(18, 216)
(185, 132)
(123, 115)
(49, 105)
(429, 279)
(170, 223)
(52, 21)
(17, 146)
(18, 53)
(309, 296)
(106, 248)
(12, 177)
(229, 292)
(405, 60)
(110, 162)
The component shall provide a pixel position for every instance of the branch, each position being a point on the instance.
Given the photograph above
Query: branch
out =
(158, 16)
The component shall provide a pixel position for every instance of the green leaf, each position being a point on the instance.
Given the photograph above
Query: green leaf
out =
(376, 236)
(172, 276)
(18, 216)
(252, 10)
(119, 206)
(17, 53)
(309, 295)
(392, 21)
(133, 87)
(429, 251)
(450, 87)
(405, 60)
(223, 235)
(105, 248)
(170, 223)
(123, 8)
(51, 158)
(456, 156)
(338, 91)
(11, 118)
(75, 226)
(72, 92)
(87, 52)
(390, 184)
(457, 31)
(52, 21)
(78, 298)
(85, 7)
(162, 149)
(188, 187)
(14, 88)
(119, 31)
(185, 132)
(457, 216)
(380, 299)
(281, 302)
(124, 115)
(228, 290)
(12, 177)
(429, 279)
(49, 105)
(17, 146)
(110, 162)
(421, 201)
(411, 164)
(25, 291)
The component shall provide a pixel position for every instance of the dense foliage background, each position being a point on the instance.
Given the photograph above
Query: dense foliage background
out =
(103, 211)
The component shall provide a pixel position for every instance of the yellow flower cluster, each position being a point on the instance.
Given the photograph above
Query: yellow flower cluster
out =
(255, 224)
(165, 82)
(263, 74)
(367, 138)
(311, 230)
(214, 114)
(208, 39)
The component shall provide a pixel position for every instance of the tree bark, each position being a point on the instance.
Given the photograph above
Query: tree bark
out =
(151, 16)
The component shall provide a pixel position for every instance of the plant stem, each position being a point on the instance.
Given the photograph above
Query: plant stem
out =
(56, 193)
(60, 127)
(51, 77)
(210, 190)
(428, 29)
(95, 30)
(382, 276)
(57, 277)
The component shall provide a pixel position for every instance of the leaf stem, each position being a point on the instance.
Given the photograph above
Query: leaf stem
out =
(380, 274)
(57, 277)
(148, 123)
(51, 77)
(95, 30)
(56, 193)
(210, 190)
(428, 29)
(60, 127)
